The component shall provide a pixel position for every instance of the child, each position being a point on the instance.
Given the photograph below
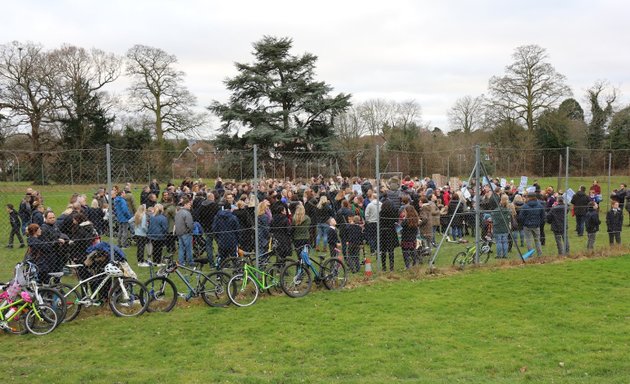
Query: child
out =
(354, 235)
(333, 237)
(614, 222)
(592, 222)
(408, 236)
(14, 220)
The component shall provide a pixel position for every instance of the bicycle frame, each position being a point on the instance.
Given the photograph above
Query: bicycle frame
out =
(16, 313)
(251, 271)
(91, 299)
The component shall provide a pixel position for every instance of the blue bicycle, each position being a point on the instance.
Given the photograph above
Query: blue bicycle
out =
(296, 279)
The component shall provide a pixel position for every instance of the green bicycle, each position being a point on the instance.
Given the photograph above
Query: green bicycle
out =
(25, 314)
(468, 256)
(243, 288)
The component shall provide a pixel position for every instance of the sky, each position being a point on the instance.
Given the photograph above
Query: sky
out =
(431, 52)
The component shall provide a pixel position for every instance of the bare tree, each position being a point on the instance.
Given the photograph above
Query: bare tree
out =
(406, 113)
(26, 98)
(375, 114)
(529, 86)
(600, 116)
(467, 114)
(157, 87)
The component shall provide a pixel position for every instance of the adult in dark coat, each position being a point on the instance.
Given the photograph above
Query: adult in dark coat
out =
(558, 220)
(280, 229)
(226, 228)
(205, 215)
(388, 218)
(614, 222)
(245, 216)
(58, 241)
(580, 206)
(40, 253)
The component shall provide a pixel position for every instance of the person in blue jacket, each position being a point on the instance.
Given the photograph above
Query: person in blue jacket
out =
(123, 215)
(226, 230)
(531, 215)
(156, 232)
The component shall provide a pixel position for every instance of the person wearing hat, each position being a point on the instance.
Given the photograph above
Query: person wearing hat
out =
(531, 215)
(393, 192)
(558, 220)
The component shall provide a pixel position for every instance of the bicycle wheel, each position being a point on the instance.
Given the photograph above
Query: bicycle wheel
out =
(128, 297)
(41, 320)
(232, 265)
(242, 291)
(484, 257)
(274, 280)
(55, 300)
(295, 279)
(17, 325)
(334, 274)
(213, 289)
(162, 294)
(72, 299)
(460, 259)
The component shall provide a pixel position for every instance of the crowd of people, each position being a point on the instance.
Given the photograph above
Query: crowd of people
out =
(339, 216)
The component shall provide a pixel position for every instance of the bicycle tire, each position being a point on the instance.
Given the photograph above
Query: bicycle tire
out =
(72, 299)
(295, 279)
(231, 265)
(242, 292)
(484, 257)
(43, 324)
(460, 259)
(135, 304)
(162, 294)
(274, 274)
(213, 289)
(334, 274)
(54, 299)
(17, 325)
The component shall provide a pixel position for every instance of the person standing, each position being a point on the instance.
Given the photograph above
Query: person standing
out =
(501, 225)
(226, 227)
(408, 235)
(183, 230)
(25, 212)
(614, 222)
(14, 221)
(530, 215)
(140, 227)
(121, 209)
(558, 220)
(388, 218)
(591, 222)
(371, 222)
(580, 205)
(156, 232)
(301, 224)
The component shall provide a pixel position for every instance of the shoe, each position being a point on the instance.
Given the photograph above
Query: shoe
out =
(9, 246)
(143, 264)
(21, 245)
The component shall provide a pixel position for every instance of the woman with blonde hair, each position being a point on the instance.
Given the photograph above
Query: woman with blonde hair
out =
(157, 231)
(301, 228)
(140, 227)
(323, 212)
(263, 215)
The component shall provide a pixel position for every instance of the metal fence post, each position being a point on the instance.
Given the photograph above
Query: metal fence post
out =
(257, 202)
(609, 175)
(111, 202)
(566, 203)
(378, 207)
(477, 203)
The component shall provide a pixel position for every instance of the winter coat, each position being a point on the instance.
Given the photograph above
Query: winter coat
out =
(614, 220)
(592, 221)
(532, 214)
(158, 227)
(323, 214)
(183, 222)
(122, 210)
(302, 231)
(426, 219)
(226, 229)
(580, 203)
(206, 212)
(557, 218)
(281, 231)
(501, 221)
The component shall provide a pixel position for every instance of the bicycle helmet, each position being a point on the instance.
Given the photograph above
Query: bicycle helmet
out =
(113, 270)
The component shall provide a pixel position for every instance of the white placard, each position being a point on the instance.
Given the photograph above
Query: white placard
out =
(523, 181)
(568, 195)
(357, 188)
(503, 183)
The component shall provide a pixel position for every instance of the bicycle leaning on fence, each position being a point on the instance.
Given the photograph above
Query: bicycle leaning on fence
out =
(296, 279)
(244, 287)
(466, 257)
(163, 292)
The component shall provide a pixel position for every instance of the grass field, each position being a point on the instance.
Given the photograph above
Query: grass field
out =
(560, 322)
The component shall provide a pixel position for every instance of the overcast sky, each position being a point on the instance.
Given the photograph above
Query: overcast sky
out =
(431, 52)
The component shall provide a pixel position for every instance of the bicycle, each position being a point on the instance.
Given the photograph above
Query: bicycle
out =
(296, 279)
(25, 314)
(163, 293)
(126, 297)
(243, 288)
(463, 258)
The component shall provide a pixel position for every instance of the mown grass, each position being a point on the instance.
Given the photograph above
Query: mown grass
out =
(564, 322)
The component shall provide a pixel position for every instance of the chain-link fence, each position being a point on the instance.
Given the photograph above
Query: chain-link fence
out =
(392, 208)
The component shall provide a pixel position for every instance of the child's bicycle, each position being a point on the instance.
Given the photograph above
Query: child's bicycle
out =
(244, 287)
(25, 314)
(468, 256)
(296, 279)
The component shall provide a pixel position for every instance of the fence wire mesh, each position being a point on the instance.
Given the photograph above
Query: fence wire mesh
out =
(326, 200)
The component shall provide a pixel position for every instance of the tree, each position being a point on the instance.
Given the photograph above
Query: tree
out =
(25, 92)
(620, 129)
(599, 116)
(278, 100)
(530, 85)
(467, 113)
(157, 88)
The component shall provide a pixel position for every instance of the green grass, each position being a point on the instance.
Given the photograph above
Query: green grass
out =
(563, 322)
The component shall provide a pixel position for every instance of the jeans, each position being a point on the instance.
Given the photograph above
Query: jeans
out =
(532, 238)
(579, 219)
(561, 243)
(590, 244)
(456, 232)
(502, 244)
(185, 249)
(123, 235)
(322, 234)
(519, 234)
(210, 248)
